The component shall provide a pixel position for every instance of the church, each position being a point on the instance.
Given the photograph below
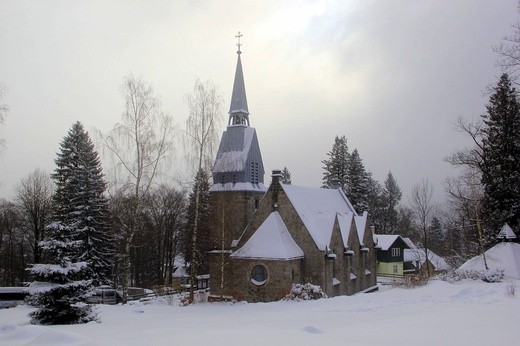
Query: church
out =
(265, 239)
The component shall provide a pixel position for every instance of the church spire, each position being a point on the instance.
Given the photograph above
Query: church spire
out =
(238, 112)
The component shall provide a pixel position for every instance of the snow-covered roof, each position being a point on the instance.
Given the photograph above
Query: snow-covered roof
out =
(385, 241)
(345, 223)
(180, 272)
(503, 256)
(271, 241)
(506, 233)
(410, 243)
(234, 149)
(417, 254)
(238, 187)
(361, 223)
(318, 208)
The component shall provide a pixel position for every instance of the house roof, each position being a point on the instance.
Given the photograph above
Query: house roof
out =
(270, 241)
(503, 256)
(506, 233)
(385, 241)
(318, 209)
(417, 254)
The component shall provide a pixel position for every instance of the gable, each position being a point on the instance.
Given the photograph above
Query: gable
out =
(271, 241)
(387, 241)
(318, 209)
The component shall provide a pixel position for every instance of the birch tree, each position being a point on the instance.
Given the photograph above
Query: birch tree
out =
(139, 146)
(201, 136)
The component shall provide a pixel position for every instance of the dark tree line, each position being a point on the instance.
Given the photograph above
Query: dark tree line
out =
(346, 171)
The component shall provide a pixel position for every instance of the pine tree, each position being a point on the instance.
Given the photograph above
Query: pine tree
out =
(501, 156)
(201, 242)
(77, 246)
(336, 166)
(359, 183)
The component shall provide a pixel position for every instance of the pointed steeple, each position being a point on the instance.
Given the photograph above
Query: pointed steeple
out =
(238, 112)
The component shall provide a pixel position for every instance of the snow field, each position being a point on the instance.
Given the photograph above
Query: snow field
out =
(440, 313)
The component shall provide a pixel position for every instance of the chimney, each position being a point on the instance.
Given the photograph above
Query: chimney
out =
(276, 176)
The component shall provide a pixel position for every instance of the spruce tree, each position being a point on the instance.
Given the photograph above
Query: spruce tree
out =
(501, 156)
(390, 198)
(336, 166)
(81, 204)
(78, 246)
(359, 187)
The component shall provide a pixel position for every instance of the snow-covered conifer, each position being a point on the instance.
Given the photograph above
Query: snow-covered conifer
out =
(336, 165)
(358, 189)
(78, 247)
(501, 156)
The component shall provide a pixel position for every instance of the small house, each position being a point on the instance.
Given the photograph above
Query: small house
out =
(390, 255)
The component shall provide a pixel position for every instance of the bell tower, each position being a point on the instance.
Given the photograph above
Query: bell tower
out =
(238, 183)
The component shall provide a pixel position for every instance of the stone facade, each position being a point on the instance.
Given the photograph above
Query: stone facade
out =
(338, 270)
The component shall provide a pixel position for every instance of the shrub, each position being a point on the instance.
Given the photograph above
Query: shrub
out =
(495, 275)
(305, 292)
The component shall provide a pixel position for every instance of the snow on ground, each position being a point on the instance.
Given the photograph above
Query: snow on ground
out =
(440, 313)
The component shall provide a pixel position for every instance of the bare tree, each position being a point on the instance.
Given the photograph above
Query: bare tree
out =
(13, 246)
(139, 146)
(465, 195)
(509, 51)
(423, 211)
(201, 136)
(167, 208)
(4, 108)
(34, 197)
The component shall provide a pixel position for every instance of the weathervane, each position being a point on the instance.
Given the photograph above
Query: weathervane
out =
(239, 44)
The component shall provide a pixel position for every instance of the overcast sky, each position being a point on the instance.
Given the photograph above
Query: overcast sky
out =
(392, 76)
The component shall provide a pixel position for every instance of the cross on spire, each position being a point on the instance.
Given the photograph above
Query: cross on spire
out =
(238, 42)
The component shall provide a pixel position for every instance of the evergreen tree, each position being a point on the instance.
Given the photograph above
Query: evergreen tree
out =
(391, 197)
(61, 286)
(286, 176)
(201, 241)
(80, 203)
(501, 156)
(359, 183)
(77, 245)
(336, 166)
(436, 236)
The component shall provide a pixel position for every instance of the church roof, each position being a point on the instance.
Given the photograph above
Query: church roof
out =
(238, 97)
(318, 209)
(271, 241)
(234, 149)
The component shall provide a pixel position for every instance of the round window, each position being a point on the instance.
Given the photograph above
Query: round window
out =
(258, 275)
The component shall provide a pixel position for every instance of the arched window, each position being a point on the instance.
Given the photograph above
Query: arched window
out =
(258, 275)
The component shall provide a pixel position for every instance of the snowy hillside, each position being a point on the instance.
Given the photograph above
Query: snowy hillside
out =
(437, 314)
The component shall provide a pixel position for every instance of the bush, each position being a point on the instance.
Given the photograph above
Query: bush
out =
(305, 292)
(495, 275)
(491, 275)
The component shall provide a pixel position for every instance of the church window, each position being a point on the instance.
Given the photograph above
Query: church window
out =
(259, 275)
